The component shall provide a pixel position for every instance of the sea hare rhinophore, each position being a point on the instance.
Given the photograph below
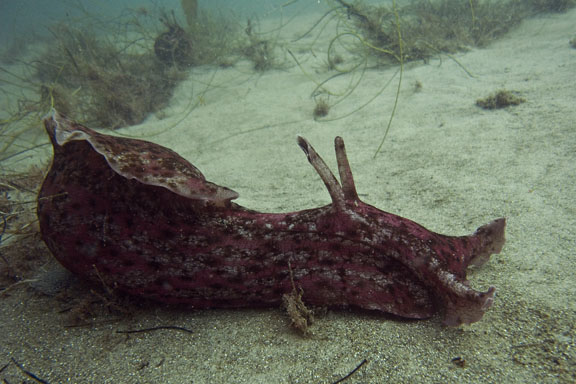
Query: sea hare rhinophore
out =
(139, 218)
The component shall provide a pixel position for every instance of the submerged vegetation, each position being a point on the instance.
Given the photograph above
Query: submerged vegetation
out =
(500, 99)
(101, 82)
(115, 72)
(426, 28)
(115, 83)
(322, 108)
(259, 50)
(369, 35)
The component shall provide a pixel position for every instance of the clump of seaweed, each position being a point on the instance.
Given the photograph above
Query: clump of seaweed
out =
(21, 251)
(431, 27)
(216, 40)
(207, 39)
(391, 34)
(103, 82)
(19, 120)
(173, 46)
(455, 25)
(301, 317)
(321, 108)
(375, 27)
(260, 51)
(417, 86)
(115, 80)
(500, 99)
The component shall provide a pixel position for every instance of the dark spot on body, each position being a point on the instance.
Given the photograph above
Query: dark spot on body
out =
(211, 240)
(211, 261)
(278, 291)
(254, 268)
(319, 284)
(282, 275)
(280, 262)
(167, 234)
(128, 263)
(113, 253)
(350, 233)
(216, 286)
(335, 246)
(326, 262)
(237, 237)
(236, 279)
(154, 265)
(342, 273)
(271, 246)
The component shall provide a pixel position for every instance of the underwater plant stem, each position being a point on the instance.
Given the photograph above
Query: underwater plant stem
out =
(22, 79)
(401, 54)
(21, 152)
(363, 105)
(353, 10)
(302, 69)
(473, 13)
(315, 25)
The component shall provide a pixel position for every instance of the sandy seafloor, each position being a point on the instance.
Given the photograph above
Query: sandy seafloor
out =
(447, 164)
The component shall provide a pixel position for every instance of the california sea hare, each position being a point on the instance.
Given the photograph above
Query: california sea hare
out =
(139, 218)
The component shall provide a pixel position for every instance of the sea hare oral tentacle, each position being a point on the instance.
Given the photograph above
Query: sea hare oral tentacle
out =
(141, 219)
(333, 186)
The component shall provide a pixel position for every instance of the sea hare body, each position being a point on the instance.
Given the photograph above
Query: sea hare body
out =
(137, 217)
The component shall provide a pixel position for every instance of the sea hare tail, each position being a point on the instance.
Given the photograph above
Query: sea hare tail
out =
(464, 305)
(468, 306)
(492, 240)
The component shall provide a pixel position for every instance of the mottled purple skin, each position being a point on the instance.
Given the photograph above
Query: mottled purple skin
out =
(137, 217)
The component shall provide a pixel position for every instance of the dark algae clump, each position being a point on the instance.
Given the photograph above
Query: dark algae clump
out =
(500, 99)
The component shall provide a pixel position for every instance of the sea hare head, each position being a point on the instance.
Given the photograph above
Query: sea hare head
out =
(146, 162)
